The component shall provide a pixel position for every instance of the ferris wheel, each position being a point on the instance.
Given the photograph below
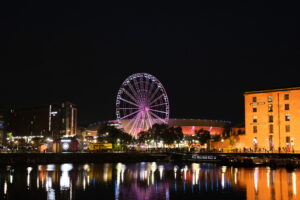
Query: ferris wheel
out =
(141, 102)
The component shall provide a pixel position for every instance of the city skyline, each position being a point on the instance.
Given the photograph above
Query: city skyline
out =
(205, 55)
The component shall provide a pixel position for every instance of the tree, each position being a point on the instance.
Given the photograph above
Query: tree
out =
(113, 135)
(203, 136)
(145, 137)
(226, 131)
(161, 132)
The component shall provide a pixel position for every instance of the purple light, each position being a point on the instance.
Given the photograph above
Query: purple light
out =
(141, 102)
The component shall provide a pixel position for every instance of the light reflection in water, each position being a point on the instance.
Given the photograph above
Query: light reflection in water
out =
(29, 169)
(256, 171)
(152, 181)
(65, 178)
(294, 177)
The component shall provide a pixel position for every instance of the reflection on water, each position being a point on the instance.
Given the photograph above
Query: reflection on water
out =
(147, 180)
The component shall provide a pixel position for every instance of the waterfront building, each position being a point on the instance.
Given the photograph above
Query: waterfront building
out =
(272, 119)
(54, 120)
(189, 126)
(2, 132)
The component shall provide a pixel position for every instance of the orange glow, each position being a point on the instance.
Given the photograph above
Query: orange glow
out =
(190, 130)
(273, 118)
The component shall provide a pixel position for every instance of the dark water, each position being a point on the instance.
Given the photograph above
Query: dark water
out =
(147, 181)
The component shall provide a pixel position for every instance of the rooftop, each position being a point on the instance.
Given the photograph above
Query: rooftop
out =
(272, 90)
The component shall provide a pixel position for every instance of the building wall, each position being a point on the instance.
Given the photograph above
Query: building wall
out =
(2, 132)
(52, 120)
(190, 130)
(265, 137)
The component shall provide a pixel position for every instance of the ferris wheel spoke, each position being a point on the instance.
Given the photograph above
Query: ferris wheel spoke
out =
(127, 108)
(133, 91)
(150, 90)
(140, 124)
(153, 95)
(150, 121)
(158, 105)
(141, 102)
(157, 117)
(141, 83)
(135, 123)
(157, 98)
(146, 84)
(159, 111)
(136, 84)
(128, 94)
(134, 104)
(126, 116)
(130, 122)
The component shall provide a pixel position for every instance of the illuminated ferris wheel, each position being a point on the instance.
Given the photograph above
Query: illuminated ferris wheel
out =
(141, 102)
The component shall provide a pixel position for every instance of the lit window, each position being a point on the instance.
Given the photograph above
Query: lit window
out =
(270, 108)
(288, 140)
(254, 118)
(271, 128)
(286, 106)
(254, 99)
(270, 118)
(254, 109)
(287, 128)
(286, 97)
(287, 117)
(270, 98)
(254, 129)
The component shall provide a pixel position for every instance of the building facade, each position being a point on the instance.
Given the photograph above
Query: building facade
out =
(272, 119)
(190, 126)
(2, 130)
(54, 120)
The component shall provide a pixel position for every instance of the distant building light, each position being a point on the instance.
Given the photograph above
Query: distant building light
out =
(65, 146)
(65, 140)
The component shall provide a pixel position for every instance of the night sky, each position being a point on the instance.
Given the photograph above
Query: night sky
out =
(206, 55)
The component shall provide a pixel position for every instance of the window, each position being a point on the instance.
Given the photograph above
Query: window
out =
(287, 117)
(288, 141)
(270, 108)
(286, 106)
(254, 109)
(254, 99)
(270, 98)
(287, 128)
(254, 129)
(286, 97)
(254, 118)
(271, 128)
(270, 118)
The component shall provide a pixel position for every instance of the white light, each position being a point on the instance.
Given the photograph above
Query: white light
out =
(66, 167)
(294, 180)
(65, 146)
(50, 167)
(86, 167)
(256, 171)
(161, 170)
(5, 187)
(65, 178)
(65, 140)
(11, 179)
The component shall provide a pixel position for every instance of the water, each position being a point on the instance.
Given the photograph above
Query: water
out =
(153, 181)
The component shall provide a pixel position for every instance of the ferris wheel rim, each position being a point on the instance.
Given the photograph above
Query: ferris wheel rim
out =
(142, 106)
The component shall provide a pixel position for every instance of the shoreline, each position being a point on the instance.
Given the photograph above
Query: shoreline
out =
(235, 159)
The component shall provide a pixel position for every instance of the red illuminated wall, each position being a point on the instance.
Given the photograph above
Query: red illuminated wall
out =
(190, 130)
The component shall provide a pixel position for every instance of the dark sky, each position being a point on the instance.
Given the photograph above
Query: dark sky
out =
(206, 55)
